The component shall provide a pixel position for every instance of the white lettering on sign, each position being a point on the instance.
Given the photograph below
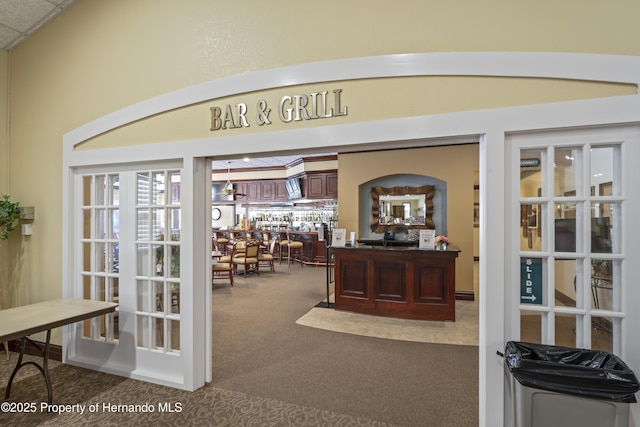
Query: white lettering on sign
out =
(316, 105)
(528, 283)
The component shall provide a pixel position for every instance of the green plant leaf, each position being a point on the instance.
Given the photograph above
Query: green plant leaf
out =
(10, 213)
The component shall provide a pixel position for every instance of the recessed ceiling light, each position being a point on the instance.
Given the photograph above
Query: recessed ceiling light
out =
(246, 159)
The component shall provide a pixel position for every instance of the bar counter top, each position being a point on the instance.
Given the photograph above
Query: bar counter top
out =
(398, 248)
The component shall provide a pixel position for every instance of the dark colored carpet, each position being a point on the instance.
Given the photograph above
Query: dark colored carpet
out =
(269, 371)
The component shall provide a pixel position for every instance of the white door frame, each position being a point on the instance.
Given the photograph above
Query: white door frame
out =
(490, 126)
(161, 366)
(626, 234)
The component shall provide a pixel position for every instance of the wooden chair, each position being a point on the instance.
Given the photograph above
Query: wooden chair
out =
(222, 270)
(235, 250)
(248, 258)
(264, 245)
(267, 258)
(226, 258)
(238, 248)
(220, 242)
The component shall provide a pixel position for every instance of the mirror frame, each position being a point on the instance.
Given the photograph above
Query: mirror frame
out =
(427, 190)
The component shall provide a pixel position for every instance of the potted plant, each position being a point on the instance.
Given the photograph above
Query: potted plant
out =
(9, 215)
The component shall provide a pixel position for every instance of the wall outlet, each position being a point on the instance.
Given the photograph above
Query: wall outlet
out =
(27, 229)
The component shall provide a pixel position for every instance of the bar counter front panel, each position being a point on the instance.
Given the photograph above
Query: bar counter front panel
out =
(407, 283)
(313, 250)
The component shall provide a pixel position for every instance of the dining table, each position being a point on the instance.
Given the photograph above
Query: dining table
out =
(22, 321)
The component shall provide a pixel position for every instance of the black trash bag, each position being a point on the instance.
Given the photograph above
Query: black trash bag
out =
(579, 372)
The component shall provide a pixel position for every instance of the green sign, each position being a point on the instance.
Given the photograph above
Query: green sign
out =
(531, 281)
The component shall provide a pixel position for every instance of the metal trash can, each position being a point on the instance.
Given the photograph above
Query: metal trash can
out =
(553, 386)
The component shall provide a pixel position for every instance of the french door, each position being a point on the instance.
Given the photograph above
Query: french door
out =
(127, 250)
(575, 239)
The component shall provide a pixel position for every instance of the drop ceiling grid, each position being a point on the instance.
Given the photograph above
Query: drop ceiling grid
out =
(21, 18)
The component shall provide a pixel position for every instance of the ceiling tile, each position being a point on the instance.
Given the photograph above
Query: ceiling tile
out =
(21, 15)
(7, 35)
(21, 18)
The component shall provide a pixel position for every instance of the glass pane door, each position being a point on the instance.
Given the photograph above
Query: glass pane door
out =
(570, 257)
(127, 250)
(100, 251)
(158, 261)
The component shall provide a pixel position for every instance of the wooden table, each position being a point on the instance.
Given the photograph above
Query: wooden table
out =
(20, 322)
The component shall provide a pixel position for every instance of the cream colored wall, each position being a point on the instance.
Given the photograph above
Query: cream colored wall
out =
(565, 274)
(4, 173)
(456, 165)
(98, 57)
(4, 147)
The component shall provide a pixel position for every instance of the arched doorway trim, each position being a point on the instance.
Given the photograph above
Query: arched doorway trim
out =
(574, 66)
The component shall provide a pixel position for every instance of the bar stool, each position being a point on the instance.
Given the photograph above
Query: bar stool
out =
(294, 248)
(283, 245)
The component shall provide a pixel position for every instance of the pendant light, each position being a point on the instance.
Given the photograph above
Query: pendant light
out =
(228, 187)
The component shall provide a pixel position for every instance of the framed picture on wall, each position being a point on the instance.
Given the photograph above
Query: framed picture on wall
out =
(532, 217)
(476, 214)
(476, 206)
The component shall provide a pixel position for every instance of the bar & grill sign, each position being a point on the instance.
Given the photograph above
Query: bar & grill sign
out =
(531, 281)
(316, 105)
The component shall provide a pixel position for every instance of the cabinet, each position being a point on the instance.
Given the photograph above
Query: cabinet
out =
(332, 185)
(253, 190)
(267, 190)
(322, 185)
(247, 191)
(261, 191)
(316, 185)
(281, 191)
(241, 191)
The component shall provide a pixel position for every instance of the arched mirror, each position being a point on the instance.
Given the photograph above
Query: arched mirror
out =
(397, 209)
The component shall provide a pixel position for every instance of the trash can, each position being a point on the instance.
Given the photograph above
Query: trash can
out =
(553, 386)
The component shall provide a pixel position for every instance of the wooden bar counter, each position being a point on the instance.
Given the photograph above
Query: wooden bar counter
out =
(409, 283)
(313, 250)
